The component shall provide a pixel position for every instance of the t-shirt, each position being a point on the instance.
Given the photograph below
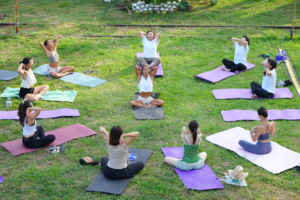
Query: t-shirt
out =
(240, 54)
(269, 82)
(150, 48)
(118, 156)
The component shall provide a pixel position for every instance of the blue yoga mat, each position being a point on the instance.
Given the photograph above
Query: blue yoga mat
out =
(76, 78)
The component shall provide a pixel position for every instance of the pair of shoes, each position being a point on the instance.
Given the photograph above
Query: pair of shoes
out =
(287, 83)
(88, 161)
(55, 149)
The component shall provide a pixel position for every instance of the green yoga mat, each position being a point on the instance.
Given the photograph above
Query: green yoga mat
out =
(48, 96)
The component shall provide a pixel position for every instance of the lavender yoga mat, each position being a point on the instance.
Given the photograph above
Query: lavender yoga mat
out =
(159, 67)
(1, 179)
(246, 93)
(237, 115)
(279, 160)
(200, 179)
(64, 112)
(62, 135)
(218, 74)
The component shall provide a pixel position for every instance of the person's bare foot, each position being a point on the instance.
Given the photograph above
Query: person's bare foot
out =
(236, 71)
(225, 69)
(152, 105)
(254, 96)
(148, 106)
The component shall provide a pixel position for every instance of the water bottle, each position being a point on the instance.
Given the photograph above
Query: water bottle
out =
(8, 103)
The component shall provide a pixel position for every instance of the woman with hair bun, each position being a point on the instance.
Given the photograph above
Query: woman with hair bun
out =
(261, 134)
(191, 158)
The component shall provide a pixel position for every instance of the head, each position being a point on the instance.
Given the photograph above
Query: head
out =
(245, 38)
(193, 127)
(150, 35)
(262, 113)
(145, 70)
(28, 62)
(48, 44)
(271, 64)
(115, 134)
(22, 111)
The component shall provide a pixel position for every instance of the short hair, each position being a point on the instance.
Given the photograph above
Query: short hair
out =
(46, 42)
(247, 39)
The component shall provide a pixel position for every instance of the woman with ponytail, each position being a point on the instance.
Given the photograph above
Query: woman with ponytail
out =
(33, 136)
(27, 91)
(261, 134)
(191, 158)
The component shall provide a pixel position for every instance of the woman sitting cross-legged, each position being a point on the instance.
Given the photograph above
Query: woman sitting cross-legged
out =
(267, 90)
(33, 136)
(145, 80)
(191, 158)
(116, 165)
(27, 91)
(261, 134)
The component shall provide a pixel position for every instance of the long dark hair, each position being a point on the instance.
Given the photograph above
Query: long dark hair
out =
(22, 110)
(193, 126)
(25, 61)
(115, 134)
(247, 39)
(143, 68)
(263, 112)
(273, 63)
(46, 42)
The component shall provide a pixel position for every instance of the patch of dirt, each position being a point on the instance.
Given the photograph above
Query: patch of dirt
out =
(99, 63)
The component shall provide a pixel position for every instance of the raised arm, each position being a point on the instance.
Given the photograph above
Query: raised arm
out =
(273, 131)
(157, 36)
(43, 47)
(138, 72)
(22, 71)
(34, 115)
(104, 133)
(130, 137)
(256, 131)
(245, 44)
(142, 34)
(183, 132)
(55, 42)
(233, 40)
(153, 72)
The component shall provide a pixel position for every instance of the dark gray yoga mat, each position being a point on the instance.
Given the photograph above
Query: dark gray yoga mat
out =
(148, 113)
(8, 75)
(106, 185)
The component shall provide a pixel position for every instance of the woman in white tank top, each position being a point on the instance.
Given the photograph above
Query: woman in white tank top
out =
(27, 91)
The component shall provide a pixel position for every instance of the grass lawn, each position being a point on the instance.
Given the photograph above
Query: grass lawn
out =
(38, 175)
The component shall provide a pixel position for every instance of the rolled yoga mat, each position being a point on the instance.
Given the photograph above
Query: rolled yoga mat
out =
(159, 67)
(199, 179)
(45, 114)
(218, 74)
(246, 93)
(279, 160)
(62, 135)
(106, 185)
(251, 115)
(8, 75)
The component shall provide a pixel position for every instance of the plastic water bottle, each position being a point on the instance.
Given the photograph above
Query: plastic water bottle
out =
(8, 103)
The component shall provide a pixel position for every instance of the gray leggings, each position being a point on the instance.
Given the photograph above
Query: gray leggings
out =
(258, 148)
(148, 61)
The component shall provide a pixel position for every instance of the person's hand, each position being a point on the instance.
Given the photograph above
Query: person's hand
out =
(102, 129)
(183, 130)
(253, 129)
(273, 123)
(198, 131)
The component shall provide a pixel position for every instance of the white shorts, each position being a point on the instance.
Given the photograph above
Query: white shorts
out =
(52, 69)
(145, 100)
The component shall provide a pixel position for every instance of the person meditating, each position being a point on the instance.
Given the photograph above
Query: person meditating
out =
(191, 158)
(54, 69)
(150, 41)
(240, 55)
(27, 91)
(267, 90)
(261, 134)
(145, 84)
(33, 136)
(116, 165)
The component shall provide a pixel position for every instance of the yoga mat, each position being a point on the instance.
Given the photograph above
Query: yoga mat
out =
(1, 179)
(246, 93)
(218, 74)
(45, 114)
(200, 179)
(8, 75)
(48, 96)
(106, 185)
(76, 78)
(159, 67)
(237, 115)
(62, 135)
(148, 113)
(279, 160)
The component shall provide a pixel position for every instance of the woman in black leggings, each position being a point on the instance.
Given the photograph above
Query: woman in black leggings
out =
(33, 136)
(116, 167)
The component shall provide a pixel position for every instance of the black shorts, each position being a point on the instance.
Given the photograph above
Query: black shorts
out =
(24, 91)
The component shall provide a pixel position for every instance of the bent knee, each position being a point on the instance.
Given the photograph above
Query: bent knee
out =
(46, 86)
(72, 67)
(162, 102)
(132, 103)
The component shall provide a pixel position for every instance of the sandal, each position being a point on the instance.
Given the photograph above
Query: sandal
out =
(88, 161)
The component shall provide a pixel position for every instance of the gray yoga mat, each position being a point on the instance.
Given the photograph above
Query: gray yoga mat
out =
(106, 185)
(148, 113)
(8, 75)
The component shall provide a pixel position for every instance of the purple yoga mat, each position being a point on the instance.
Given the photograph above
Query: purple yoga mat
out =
(246, 93)
(1, 179)
(237, 115)
(159, 67)
(200, 179)
(218, 74)
(64, 112)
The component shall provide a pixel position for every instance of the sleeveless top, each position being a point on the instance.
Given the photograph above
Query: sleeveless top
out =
(265, 136)
(150, 48)
(53, 59)
(29, 130)
(118, 156)
(191, 152)
(31, 80)
(145, 85)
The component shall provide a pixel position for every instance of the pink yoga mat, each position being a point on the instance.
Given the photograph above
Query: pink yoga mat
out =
(159, 67)
(62, 135)
(279, 160)
(200, 179)
(218, 74)
(246, 93)
(237, 115)
(45, 114)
